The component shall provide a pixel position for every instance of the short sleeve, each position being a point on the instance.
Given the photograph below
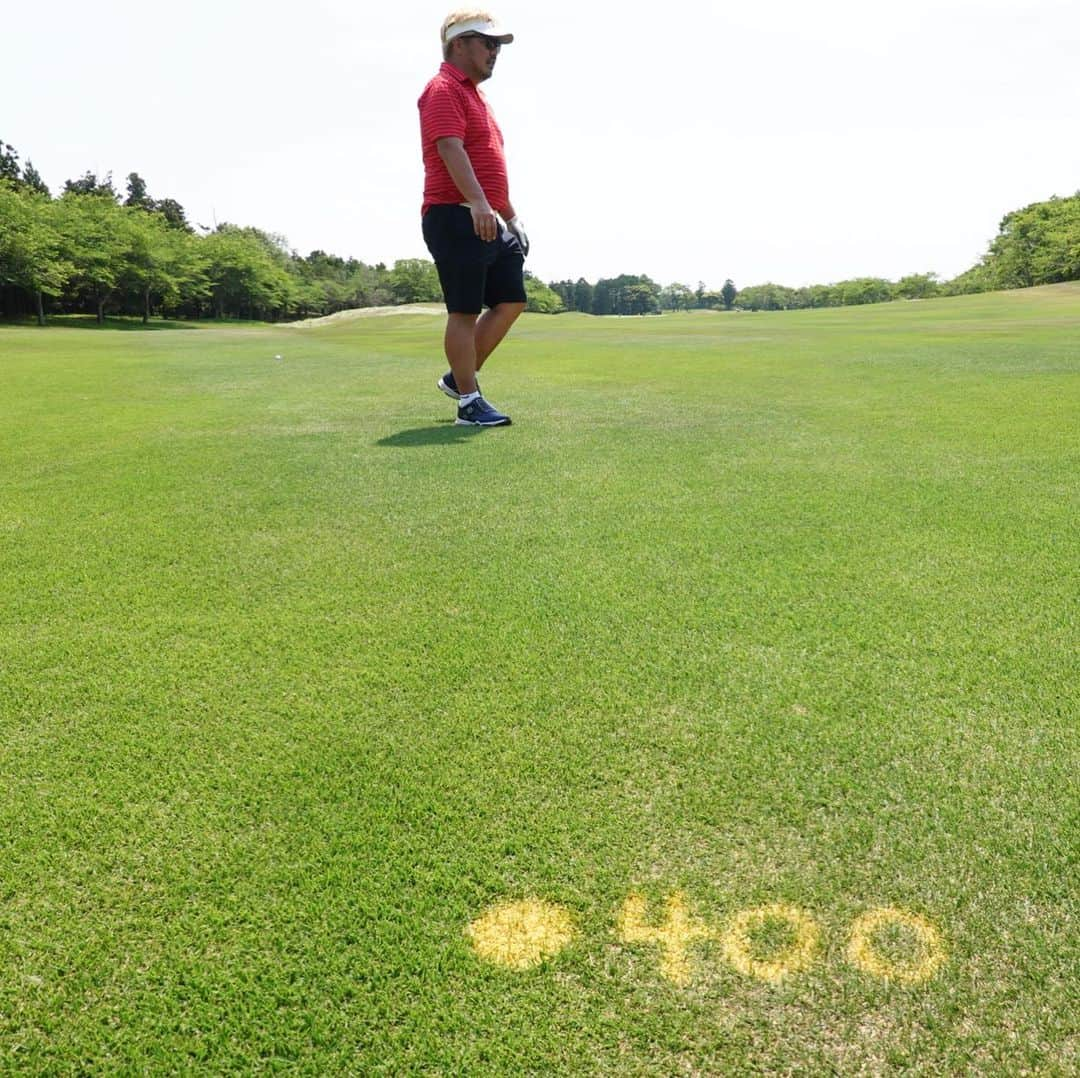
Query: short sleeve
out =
(442, 112)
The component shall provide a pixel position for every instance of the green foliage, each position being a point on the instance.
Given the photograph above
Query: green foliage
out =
(136, 189)
(163, 262)
(31, 248)
(541, 298)
(862, 290)
(89, 184)
(917, 286)
(9, 162)
(676, 297)
(1039, 244)
(86, 254)
(414, 280)
(96, 241)
(32, 179)
(247, 271)
(767, 297)
(626, 294)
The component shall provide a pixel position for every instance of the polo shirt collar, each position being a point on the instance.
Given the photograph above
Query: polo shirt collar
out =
(449, 70)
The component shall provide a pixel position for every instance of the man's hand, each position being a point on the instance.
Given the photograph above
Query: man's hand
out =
(518, 229)
(485, 223)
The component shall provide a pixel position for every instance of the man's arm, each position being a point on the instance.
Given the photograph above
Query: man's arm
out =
(452, 152)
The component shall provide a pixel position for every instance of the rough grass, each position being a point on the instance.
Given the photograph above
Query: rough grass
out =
(298, 680)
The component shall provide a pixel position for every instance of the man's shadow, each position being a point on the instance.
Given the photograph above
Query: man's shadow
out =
(445, 432)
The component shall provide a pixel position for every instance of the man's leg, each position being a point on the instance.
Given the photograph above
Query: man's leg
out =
(461, 350)
(491, 327)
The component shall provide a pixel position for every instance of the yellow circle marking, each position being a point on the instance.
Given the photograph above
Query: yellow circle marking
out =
(521, 934)
(863, 953)
(737, 946)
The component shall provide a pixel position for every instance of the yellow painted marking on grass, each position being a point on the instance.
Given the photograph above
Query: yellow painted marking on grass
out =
(678, 931)
(798, 956)
(521, 934)
(863, 953)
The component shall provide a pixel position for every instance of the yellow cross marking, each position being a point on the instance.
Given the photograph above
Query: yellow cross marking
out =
(673, 937)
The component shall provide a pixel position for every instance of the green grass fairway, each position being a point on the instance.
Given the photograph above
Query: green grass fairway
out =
(337, 739)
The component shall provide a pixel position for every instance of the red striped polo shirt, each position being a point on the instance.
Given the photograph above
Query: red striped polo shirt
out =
(452, 106)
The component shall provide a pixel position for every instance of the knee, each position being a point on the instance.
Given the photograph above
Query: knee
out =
(512, 310)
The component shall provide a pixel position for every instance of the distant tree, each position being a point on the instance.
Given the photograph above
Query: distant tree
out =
(9, 163)
(1039, 244)
(89, 184)
(136, 192)
(95, 240)
(979, 278)
(414, 280)
(766, 297)
(32, 179)
(862, 290)
(162, 263)
(583, 295)
(30, 245)
(246, 269)
(603, 297)
(173, 213)
(728, 294)
(641, 299)
(917, 286)
(541, 299)
(565, 291)
(626, 294)
(675, 297)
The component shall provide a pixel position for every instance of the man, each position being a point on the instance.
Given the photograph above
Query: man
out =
(480, 262)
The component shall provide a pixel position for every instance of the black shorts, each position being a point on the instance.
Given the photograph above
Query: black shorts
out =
(474, 273)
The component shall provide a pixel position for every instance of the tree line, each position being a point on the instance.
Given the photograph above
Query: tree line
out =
(91, 249)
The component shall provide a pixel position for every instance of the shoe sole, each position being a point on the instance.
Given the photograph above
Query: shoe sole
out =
(470, 423)
(440, 384)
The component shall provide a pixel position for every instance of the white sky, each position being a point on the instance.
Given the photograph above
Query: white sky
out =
(795, 141)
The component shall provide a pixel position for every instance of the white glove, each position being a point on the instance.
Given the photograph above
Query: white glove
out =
(518, 229)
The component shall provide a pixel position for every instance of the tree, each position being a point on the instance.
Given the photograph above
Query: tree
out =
(626, 294)
(173, 213)
(415, 280)
(766, 297)
(136, 189)
(9, 162)
(30, 245)
(540, 298)
(161, 262)
(95, 240)
(640, 298)
(32, 179)
(247, 274)
(89, 184)
(583, 295)
(862, 290)
(675, 297)
(917, 286)
(728, 294)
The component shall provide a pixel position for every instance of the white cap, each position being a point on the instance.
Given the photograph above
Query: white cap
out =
(478, 26)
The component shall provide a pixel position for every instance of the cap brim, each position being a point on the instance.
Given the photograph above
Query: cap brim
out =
(480, 26)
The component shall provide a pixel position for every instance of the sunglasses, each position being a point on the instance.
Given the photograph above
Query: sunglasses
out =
(490, 43)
